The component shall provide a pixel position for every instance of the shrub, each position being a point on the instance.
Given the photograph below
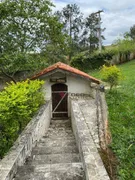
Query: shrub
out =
(18, 103)
(86, 61)
(80, 61)
(111, 75)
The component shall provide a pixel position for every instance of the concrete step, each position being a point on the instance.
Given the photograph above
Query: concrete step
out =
(55, 138)
(54, 146)
(61, 123)
(59, 133)
(54, 158)
(55, 150)
(66, 171)
(58, 142)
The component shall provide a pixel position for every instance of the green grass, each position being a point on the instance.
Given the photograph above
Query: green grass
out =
(121, 105)
(95, 73)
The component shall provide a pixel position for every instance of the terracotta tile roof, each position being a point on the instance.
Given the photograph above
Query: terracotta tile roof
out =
(67, 68)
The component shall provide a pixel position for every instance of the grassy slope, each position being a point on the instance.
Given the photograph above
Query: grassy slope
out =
(121, 104)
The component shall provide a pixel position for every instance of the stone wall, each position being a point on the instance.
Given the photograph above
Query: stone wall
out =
(91, 159)
(102, 118)
(22, 148)
(121, 58)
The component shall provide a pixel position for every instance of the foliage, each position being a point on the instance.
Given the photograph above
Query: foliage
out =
(72, 19)
(111, 75)
(86, 61)
(18, 103)
(22, 27)
(125, 45)
(121, 103)
(30, 27)
(11, 64)
(131, 33)
(55, 52)
(27, 27)
(79, 61)
(89, 36)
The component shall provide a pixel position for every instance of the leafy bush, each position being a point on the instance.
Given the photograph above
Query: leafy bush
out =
(18, 103)
(111, 75)
(86, 61)
(80, 61)
(125, 45)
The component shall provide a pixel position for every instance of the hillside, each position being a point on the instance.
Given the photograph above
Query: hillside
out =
(121, 105)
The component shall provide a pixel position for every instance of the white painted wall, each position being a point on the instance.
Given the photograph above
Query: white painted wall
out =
(47, 88)
(75, 85)
(78, 85)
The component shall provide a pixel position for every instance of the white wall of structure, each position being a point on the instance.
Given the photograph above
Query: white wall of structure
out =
(76, 85)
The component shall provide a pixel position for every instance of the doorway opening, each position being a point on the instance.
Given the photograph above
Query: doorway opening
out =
(59, 100)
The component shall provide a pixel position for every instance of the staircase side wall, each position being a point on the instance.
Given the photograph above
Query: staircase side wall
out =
(22, 148)
(102, 118)
(93, 165)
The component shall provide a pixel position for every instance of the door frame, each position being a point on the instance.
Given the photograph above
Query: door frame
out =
(63, 89)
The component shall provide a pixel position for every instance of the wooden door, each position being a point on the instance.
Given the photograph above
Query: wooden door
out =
(59, 100)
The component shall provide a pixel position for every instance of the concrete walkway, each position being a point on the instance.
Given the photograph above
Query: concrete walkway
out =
(56, 156)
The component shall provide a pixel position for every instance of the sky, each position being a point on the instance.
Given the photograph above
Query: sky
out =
(117, 18)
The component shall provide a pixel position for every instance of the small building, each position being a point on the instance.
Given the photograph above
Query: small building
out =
(62, 82)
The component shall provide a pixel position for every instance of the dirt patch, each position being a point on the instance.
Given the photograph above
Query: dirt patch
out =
(110, 162)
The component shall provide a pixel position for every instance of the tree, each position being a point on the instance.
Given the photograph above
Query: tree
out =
(71, 17)
(91, 26)
(26, 26)
(90, 33)
(131, 33)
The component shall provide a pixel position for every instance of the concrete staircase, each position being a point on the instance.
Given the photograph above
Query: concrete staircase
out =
(56, 156)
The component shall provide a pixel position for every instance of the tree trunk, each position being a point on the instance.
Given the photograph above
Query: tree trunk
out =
(7, 75)
(70, 53)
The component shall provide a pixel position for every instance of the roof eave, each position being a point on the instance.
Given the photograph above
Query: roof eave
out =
(67, 72)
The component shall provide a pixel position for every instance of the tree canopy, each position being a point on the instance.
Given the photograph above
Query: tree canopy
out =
(26, 28)
(32, 36)
(72, 19)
